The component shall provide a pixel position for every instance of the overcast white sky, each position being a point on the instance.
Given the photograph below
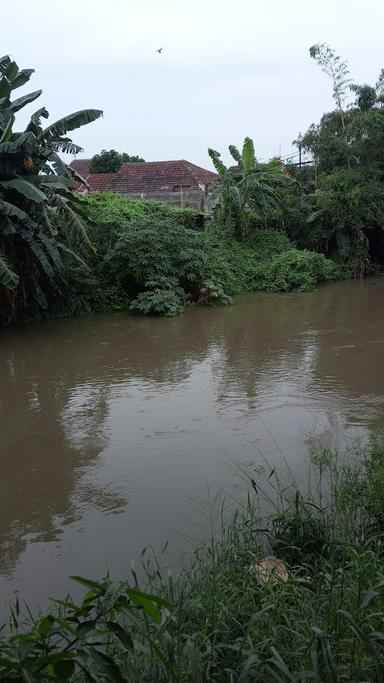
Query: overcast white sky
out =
(229, 68)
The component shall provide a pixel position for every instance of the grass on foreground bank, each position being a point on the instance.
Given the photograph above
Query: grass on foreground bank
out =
(317, 615)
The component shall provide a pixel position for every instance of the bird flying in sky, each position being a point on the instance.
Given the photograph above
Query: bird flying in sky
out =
(159, 50)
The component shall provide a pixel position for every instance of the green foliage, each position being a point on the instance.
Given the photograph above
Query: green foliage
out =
(34, 187)
(105, 162)
(366, 96)
(236, 264)
(351, 207)
(159, 264)
(295, 270)
(110, 207)
(234, 611)
(269, 262)
(110, 161)
(82, 642)
(149, 263)
(149, 260)
(348, 147)
(131, 158)
(250, 189)
(336, 69)
(158, 301)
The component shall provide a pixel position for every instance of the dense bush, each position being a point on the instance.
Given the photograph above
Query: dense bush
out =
(147, 258)
(161, 263)
(110, 207)
(294, 270)
(269, 262)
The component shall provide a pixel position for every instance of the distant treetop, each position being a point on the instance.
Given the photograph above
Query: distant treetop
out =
(111, 161)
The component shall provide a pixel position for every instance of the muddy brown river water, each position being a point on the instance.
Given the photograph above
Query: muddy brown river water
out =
(113, 428)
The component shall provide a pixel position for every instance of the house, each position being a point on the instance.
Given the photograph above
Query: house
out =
(179, 183)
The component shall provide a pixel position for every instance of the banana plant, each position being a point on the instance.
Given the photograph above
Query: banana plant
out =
(35, 185)
(244, 189)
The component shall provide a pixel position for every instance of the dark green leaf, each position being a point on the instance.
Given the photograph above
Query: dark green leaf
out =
(71, 122)
(124, 637)
(22, 78)
(64, 669)
(105, 665)
(45, 625)
(8, 277)
(24, 144)
(23, 101)
(25, 188)
(97, 586)
(11, 71)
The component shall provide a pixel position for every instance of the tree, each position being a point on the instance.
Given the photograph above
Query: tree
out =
(337, 70)
(135, 159)
(35, 188)
(248, 188)
(349, 153)
(366, 96)
(105, 162)
(379, 87)
(110, 161)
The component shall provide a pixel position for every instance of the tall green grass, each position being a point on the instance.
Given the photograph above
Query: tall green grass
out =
(220, 619)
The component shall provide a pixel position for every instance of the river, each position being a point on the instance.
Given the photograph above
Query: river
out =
(114, 428)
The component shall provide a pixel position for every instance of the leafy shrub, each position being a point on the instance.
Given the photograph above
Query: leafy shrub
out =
(80, 642)
(159, 302)
(269, 243)
(237, 264)
(147, 261)
(110, 207)
(294, 270)
(161, 265)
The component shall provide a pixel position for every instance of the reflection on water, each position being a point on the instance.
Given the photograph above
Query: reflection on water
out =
(110, 424)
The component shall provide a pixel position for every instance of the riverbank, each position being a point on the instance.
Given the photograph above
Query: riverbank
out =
(154, 259)
(297, 596)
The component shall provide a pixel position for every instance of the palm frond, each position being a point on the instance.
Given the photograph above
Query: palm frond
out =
(23, 144)
(218, 164)
(73, 220)
(51, 227)
(8, 277)
(248, 155)
(8, 209)
(38, 251)
(7, 132)
(235, 154)
(71, 122)
(314, 215)
(4, 61)
(58, 164)
(76, 176)
(23, 101)
(35, 122)
(22, 78)
(24, 187)
(66, 146)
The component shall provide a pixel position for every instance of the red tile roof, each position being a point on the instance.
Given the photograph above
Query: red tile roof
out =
(149, 176)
